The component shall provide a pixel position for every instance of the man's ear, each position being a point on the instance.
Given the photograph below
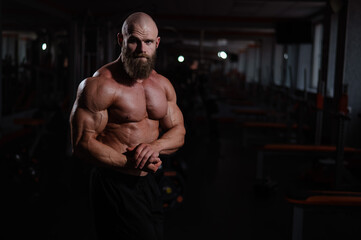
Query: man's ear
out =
(120, 39)
(157, 42)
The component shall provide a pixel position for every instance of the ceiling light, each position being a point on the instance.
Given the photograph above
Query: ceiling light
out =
(180, 58)
(222, 54)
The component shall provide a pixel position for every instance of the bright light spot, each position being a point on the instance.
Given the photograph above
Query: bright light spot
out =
(44, 46)
(285, 56)
(222, 54)
(180, 58)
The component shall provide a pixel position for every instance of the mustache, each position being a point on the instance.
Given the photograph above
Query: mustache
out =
(141, 55)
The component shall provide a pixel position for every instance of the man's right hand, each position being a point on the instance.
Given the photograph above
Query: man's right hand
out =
(150, 164)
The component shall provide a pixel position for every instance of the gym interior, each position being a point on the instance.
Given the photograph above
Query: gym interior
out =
(268, 90)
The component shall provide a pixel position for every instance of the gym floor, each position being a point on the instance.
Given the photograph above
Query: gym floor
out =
(219, 200)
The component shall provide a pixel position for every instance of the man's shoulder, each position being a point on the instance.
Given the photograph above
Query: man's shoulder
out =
(98, 81)
(159, 78)
(108, 71)
(104, 75)
(104, 72)
(164, 83)
(96, 92)
(97, 86)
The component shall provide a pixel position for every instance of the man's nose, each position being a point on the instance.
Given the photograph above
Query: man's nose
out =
(141, 47)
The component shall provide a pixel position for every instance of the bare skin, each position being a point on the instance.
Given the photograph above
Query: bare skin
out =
(116, 120)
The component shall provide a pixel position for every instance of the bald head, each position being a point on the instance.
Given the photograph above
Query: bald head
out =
(139, 20)
(139, 40)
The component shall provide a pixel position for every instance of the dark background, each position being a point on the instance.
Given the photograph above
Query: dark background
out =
(44, 190)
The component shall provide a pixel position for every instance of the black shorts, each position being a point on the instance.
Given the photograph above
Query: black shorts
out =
(126, 206)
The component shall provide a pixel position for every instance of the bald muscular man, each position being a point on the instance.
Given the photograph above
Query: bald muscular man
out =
(124, 117)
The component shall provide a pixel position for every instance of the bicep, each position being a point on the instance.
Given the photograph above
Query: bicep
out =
(89, 115)
(174, 116)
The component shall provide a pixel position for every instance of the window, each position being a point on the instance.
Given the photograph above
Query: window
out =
(332, 56)
(278, 64)
(304, 66)
(317, 55)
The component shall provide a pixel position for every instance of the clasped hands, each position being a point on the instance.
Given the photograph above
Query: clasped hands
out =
(144, 157)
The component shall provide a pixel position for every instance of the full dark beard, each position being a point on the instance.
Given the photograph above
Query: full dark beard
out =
(135, 67)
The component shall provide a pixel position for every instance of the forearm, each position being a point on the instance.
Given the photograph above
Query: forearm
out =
(170, 141)
(99, 154)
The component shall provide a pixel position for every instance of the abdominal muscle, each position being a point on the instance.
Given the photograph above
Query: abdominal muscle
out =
(129, 135)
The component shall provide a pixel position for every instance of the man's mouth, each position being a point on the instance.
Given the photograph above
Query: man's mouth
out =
(142, 56)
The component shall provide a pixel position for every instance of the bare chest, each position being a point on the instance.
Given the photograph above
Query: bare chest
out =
(133, 104)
